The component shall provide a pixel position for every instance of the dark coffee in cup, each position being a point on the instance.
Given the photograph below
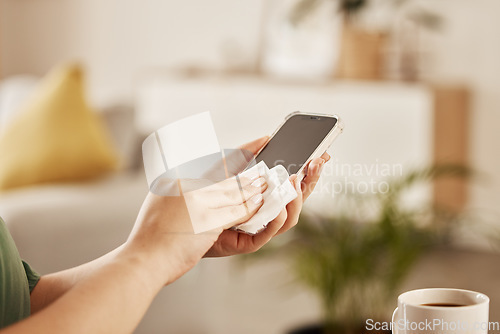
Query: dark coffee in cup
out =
(443, 305)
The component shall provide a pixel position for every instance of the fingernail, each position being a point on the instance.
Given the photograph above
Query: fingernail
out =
(257, 199)
(296, 183)
(259, 182)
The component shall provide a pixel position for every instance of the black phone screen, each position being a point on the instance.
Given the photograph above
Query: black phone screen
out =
(295, 141)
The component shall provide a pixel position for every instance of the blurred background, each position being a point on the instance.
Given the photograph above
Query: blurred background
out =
(409, 200)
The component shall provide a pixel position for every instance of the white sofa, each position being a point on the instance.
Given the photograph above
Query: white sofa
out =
(59, 226)
(86, 218)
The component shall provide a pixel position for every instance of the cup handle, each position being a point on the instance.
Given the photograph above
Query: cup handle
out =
(395, 321)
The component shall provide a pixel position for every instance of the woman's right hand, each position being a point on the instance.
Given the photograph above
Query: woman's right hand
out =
(163, 232)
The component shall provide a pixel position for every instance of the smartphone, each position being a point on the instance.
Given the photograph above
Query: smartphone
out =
(301, 138)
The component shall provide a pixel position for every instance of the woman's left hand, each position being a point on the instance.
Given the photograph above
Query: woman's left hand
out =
(232, 242)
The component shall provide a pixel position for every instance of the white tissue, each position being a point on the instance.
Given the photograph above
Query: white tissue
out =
(278, 194)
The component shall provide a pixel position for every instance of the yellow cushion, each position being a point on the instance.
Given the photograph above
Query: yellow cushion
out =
(56, 136)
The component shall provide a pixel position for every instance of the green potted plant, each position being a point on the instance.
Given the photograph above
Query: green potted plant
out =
(356, 259)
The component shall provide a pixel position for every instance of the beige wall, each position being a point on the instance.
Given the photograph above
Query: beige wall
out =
(118, 39)
(469, 50)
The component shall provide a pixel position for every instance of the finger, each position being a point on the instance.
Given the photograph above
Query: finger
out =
(241, 193)
(256, 145)
(312, 177)
(232, 191)
(293, 209)
(325, 156)
(238, 214)
(272, 228)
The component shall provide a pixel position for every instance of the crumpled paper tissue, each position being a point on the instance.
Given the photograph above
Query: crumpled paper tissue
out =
(280, 191)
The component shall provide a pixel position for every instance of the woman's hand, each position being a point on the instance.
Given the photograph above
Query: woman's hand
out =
(112, 293)
(164, 227)
(232, 242)
(164, 231)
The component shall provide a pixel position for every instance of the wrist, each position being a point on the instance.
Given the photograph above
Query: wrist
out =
(146, 265)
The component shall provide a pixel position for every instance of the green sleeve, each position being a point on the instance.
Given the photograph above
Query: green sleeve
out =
(33, 276)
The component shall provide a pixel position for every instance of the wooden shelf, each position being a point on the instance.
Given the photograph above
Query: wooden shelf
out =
(451, 143)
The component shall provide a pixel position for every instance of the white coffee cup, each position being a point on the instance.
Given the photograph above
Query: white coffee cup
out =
(414, 314)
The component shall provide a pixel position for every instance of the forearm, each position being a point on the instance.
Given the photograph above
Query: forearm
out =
(52, 286)
(111, 299)
(112, 293)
